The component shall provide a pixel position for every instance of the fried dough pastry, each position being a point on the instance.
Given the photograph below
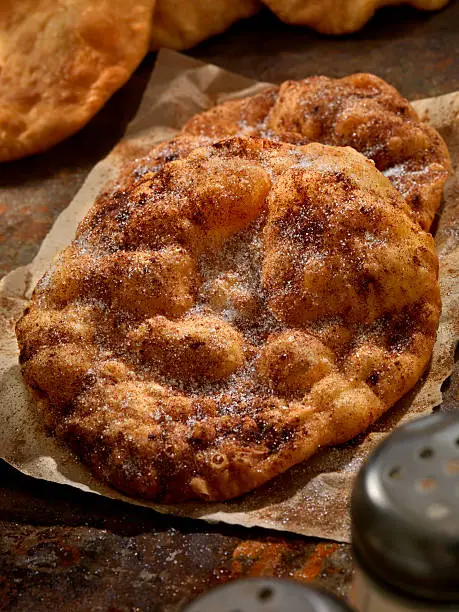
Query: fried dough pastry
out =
(224, 317)
(181, 24)
(361, 111)
(339, 16)
(60, 62)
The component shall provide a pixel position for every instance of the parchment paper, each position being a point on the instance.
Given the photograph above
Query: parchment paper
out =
(310, 499)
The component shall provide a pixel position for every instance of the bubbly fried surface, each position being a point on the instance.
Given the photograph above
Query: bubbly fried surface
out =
(223, 318)
(181, 24)
(59, 63)
(361, 111)
(339, 16)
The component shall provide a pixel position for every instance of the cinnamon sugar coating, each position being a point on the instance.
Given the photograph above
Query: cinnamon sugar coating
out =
(226, 315)
(361, 111)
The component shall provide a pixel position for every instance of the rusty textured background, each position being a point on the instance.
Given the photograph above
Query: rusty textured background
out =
(61, 549)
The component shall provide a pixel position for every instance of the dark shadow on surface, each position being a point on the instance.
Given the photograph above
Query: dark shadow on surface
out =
(39, 502)
(416, 51)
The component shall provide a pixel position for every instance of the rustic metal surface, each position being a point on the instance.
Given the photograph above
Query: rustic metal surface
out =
(64, 550)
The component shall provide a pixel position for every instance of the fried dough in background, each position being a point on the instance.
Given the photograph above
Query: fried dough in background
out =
(181, 24)
(60, 62)
(339, 16)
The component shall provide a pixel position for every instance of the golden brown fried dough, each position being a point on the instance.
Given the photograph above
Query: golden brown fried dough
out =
(243, 307)
(361, 111)
(339, 16)
(60, 62)
(181, 24)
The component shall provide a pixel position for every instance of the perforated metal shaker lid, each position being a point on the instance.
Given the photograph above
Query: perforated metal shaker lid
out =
(266, 595)
(405, 510)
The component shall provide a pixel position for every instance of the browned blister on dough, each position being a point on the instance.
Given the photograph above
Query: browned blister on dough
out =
(221, 318)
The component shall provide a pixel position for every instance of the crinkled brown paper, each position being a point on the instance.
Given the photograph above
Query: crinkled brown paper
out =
(311, 498)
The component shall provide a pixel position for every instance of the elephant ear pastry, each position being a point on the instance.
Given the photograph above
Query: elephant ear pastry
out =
(60, 61)
(339, 16)
(223, 318)
(361, 111)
